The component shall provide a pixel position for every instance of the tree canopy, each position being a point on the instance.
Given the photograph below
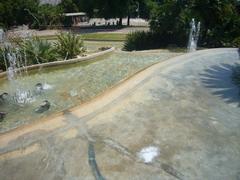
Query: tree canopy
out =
(17, 12)
(220, 20)
(13, 12)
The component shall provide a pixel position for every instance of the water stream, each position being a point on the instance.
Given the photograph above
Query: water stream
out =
(193, 35)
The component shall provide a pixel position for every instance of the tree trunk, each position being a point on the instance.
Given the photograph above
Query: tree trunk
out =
(120, 21)
(128, 20)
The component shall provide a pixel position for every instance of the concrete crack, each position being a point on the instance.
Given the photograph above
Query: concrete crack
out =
(170, 170)
(92, 162)
(118, 147)
(123, 150)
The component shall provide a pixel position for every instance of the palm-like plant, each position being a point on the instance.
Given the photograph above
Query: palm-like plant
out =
(38, 51)
(2, 61)
(69, 45)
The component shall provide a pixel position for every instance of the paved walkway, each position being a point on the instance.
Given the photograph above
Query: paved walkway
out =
(178, 119)
(80, 30)
(137, 24)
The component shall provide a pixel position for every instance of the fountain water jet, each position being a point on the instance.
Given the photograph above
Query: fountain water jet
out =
(21, 91)
(193, 36)
(16, 67)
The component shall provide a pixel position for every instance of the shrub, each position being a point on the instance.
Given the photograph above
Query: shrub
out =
(134, 41)
(2, 64)
(48, 15)
(38, 51)
(141, 40)
(69, 45)
(236, 42)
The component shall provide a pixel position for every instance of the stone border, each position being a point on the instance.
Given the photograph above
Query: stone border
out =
(66, 62)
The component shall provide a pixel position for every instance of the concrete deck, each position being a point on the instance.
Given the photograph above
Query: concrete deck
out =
(186, 107)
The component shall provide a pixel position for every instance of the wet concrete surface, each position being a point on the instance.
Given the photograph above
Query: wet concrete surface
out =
(175, 108)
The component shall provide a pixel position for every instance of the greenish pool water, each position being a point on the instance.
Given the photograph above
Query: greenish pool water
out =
(71, 85)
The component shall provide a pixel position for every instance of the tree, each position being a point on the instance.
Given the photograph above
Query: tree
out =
(86, 6)
(69, 6)
(13, 12)
(18, 12)
(49, 15)
(146, 7)
(114, 9)
(220, 21)
(136, 8)
(124, 8)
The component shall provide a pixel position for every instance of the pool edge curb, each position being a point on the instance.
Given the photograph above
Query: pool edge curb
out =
(66, 62)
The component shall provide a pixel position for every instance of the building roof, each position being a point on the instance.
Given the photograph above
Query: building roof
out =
(75, 14)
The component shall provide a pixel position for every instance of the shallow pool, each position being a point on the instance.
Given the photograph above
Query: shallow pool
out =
(71, 85)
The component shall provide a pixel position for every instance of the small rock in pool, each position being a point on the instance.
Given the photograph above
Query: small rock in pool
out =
(103, 48)
(2, 116)
(39, 86)
(43, 107)
(3, 96)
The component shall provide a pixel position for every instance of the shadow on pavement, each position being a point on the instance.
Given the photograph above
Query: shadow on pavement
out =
(220, 80)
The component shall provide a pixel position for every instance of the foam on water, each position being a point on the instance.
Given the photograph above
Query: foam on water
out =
(148, 154)
(47, 86)
(23, 97)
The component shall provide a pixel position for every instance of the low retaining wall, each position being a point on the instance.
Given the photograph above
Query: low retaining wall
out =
(65, 62)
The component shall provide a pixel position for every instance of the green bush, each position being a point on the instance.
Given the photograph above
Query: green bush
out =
(169, 24)
(49, 15)
(141, 40)
(136, 41)
(236, 42)
(30, 51)
(69, 45)
(38, 51)
(2, 63)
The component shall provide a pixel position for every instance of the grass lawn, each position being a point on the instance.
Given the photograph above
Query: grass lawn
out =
(96, 37)
(104, 36)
